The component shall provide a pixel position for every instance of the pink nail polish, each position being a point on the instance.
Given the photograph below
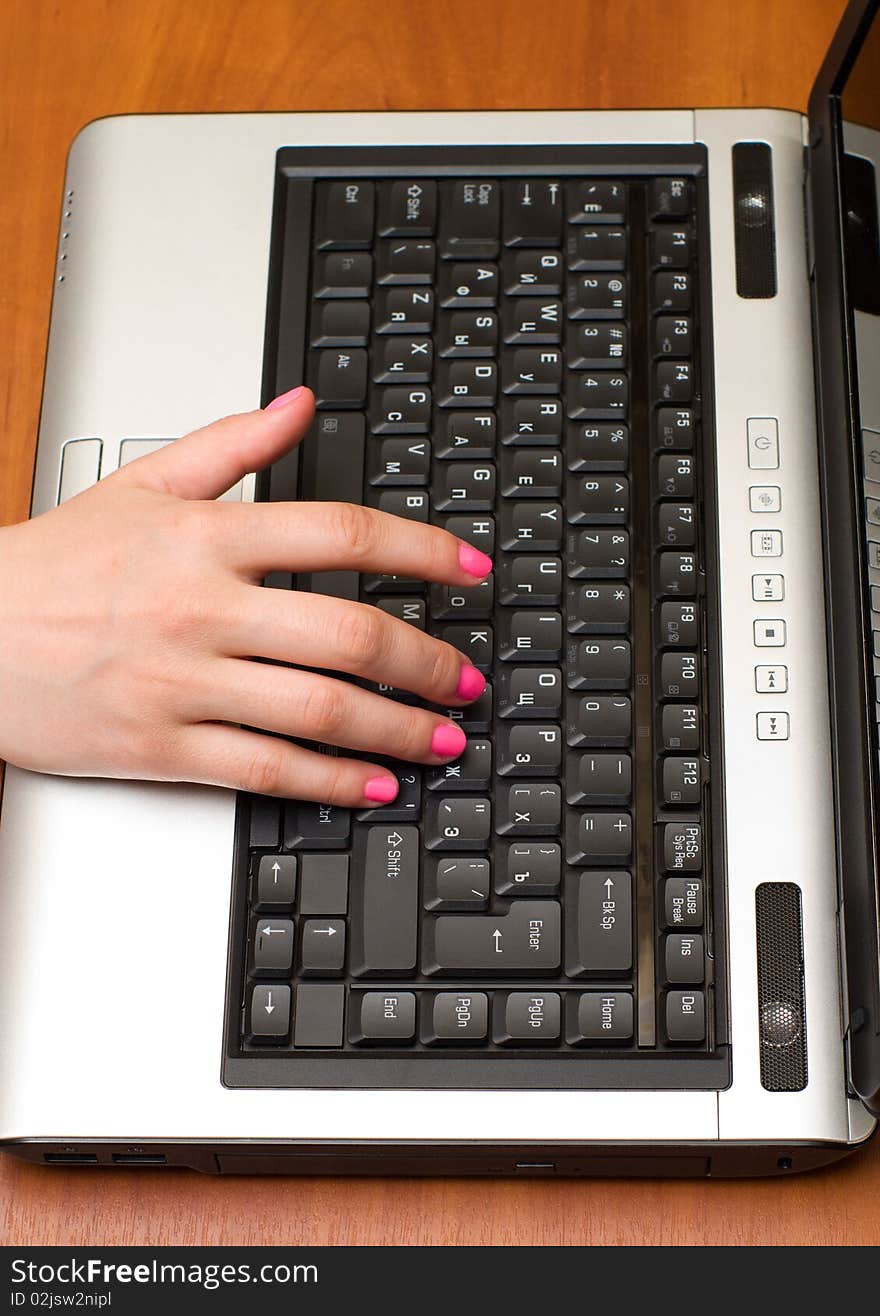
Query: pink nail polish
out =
(381, 790)
(283, 398)
(471, 683)
(448, 741)
(473, 561)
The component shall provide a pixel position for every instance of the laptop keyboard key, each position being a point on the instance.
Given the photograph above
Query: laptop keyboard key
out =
(385, 903)
(459, 1017)
(385, 1018)
(526, 940)
(344, 214)
(470, 213)
(530, 1019)
(272, 947)
(322, 947)
(269, 1013)
(685, 1016)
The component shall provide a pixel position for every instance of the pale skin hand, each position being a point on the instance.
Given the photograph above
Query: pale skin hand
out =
(131, 618)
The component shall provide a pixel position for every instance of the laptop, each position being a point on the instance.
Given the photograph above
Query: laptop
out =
(634, 929)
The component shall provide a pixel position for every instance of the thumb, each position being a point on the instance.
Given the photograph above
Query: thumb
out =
(207, 462)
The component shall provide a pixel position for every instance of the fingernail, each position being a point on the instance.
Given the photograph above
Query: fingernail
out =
(283, 398)
(471, 683)
(473, 561)
(448, 741)
(381, 790)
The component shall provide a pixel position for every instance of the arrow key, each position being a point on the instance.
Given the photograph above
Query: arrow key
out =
(276, 883)
(270, 1014)
(272, 951)
(322, 947)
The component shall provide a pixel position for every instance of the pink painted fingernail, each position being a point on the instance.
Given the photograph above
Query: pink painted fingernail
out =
(448, 741)
(473, 561)
(381, 790)
(283, 398)
(471, 683)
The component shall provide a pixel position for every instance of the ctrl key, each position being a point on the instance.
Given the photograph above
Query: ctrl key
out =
(685, 1016)
(270, 1014)
(383, 1018)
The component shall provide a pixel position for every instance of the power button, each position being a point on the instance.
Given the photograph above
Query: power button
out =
(763, 440)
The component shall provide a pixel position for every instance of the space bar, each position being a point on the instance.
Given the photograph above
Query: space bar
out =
(333, 472)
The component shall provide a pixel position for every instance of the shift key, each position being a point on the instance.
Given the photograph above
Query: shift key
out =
(385, 904)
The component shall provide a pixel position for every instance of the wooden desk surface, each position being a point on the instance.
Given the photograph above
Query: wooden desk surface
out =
(64, 62)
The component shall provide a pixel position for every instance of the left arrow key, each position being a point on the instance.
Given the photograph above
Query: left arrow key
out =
(272, 946)
(270, 1014)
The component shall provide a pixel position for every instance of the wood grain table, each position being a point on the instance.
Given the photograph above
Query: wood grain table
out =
(64, 62)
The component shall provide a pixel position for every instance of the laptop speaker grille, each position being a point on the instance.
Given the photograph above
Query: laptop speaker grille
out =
(781, 1014)
(754, 223)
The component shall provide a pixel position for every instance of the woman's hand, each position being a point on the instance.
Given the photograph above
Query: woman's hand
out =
(131, 618)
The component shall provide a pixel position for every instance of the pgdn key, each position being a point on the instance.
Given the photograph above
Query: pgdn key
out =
(525, 941)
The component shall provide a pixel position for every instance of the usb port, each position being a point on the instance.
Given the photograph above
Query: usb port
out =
(139, 1158)
(535, 1165)
(70, 1158)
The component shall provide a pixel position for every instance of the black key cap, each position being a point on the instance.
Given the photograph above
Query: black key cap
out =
(529, 809)
(675, 524)
(677, 574)
(407, 805)
(344, 214)
(529, 868)
(412, 611)
(530, 273)
(399, 461)
(471, 772)
(275, 883)
(532, 213)
(595, 778)
(531, 473)
(340, 377)
(408, 208)
(272, 951)
(598, 720)
(592, 394)
(465, 487)
(529, 749)
(531, 579)
(531, 421)
(681, 780)
(269, 1013)
(599, 934)
(683, 957)
(385, 903)
(685, 1016)
(528, 1019)
(398, 359)
(669, 198)
(673, 381)
(383, 1017)
(531, 527)
(679, 676)
(381, 584)
(599, 607)
(673, 335)
(340, 324)
(322, 947)
(343, 274)
(598, 499)
(475, 716)
(530, 635)
(531, 370)
(333, 460)
(463, 284)
(603, 1017)
(412, 504)
(405, 261)
(599, 248)
(529, 692)
(459, 1017)
(404, 311)
(671, 291)
(265, 822)
(468, 334)
(531, 322)
(324, 884)
(674, 428)
(596, 297)
(679, 625)
(675, 476)
(595, 343)
(600, 665)
(683, 902)
(458, 823)
(457, 882)
(599, 554)
(401, 411)
(681, 726)
(683, 847)
(470, 212)
(597, 201)
(477, 643)
(466, 434)
(599, 838)
(476, 530)
(670, 247)
(526, 940)
(318, 1017)
(466, 383)
(318, 826)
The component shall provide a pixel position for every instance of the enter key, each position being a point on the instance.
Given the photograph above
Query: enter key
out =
(524, 941)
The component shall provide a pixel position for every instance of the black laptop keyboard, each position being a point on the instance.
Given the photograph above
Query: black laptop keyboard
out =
(518, 359)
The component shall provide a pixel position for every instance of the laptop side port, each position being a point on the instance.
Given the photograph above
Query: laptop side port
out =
(139, 1158)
